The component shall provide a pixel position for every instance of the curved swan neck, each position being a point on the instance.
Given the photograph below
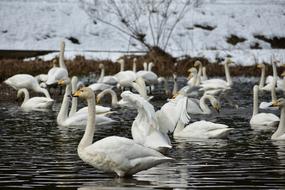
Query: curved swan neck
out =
(61, 55)
(102, 74)
(44, 91)
(228, 75)
(281, 127)
(26, 94)
(205, 108)
(262, 78)
(90, 127)
(255, 100)
(62, 115)
(112, 93)
(74, 103)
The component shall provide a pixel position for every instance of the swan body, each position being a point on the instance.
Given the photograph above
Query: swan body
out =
(203, 130)
(125, 77)
(261, 120)
(145, 128)
(35, 103)
(58, 73)
(114, 154)
(279, 134)
(149, 76)
(20, 81)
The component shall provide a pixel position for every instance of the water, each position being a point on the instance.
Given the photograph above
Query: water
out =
(36, 153)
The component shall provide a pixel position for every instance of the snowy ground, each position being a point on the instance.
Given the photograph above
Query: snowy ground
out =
(42, 24)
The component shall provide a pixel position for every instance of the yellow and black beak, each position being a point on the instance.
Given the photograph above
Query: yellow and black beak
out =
(97, 100)
(275, 104)
(77, 93)
(61, 82)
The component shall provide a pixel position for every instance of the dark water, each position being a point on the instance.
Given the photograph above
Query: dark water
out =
(36, 153)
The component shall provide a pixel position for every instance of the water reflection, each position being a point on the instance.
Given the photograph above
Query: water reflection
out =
(37, 153)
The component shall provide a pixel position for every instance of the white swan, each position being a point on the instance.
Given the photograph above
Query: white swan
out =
(114, 154)
(111, 80)
(165, 85)
(145, 128)
(140, 87)
(261, 120)
(215, 86)
(124, 77)
(279, 134)
(35, 103)
(80, 117)
(202, 130)
(19, 81)
(172, 112)
(58, 73)
(74, 104)
(114, 98)
(193, 77)
(196, 106)
(149, 76)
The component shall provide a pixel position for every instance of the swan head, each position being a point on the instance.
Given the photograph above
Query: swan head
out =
(197, 63)
(228, 61)
(260, 65)
(84, 93)
(132, 100)
(135, 60)
(54, 63)
(101, 66)
(279, 103)
(217, 106)
(120, 61)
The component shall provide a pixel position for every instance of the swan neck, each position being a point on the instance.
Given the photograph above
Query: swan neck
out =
(204, 72)
(150, 67)
(113, 95)
(134, 67)
(61, 56)
(62, 115)
(281, 127)
(44, 91)
(205, 108)
(90, 127)
(255, 101)
(74, 103)
(26, 94)
(122, 64)
(273, 92)
(102, 74)
(228, 75)
(175, 87)
(145, 66)
(262, 78)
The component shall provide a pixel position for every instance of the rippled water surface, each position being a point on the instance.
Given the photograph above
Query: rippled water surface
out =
(36, 153)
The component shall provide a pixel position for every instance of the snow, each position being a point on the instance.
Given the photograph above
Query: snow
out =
(42, 24)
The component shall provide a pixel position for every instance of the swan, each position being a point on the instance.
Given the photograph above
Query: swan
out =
(111, 80)
(27, 81)
(145, 128)
(114, 101)
(261, 120)
(279, 134)
(170, 113)
(270, 81)
(202, 130)
(262, 77)
(165, 84)
(196, 106)
(120, 155)
(124, 77)
(73, 109)
(58, 73)
(78, 118)
(199, 74)
(215, 86)
(35, 103)
(204, 74)
(140, 87)
(193, 77)
(149, 76)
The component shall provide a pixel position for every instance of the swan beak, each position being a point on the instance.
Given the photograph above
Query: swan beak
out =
(77, 93)
(175, 95)
(259, 65)
(60, 82)
(97, 99)
(275, 104)
(218, 110)
(283, 74)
